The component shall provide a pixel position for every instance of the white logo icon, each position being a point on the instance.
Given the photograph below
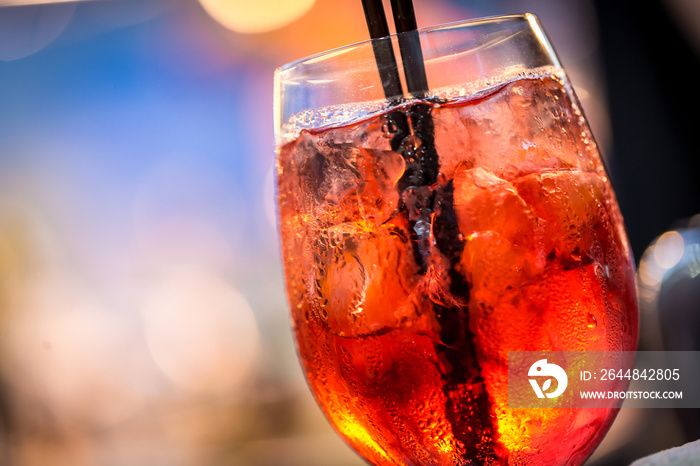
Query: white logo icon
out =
(542, 369)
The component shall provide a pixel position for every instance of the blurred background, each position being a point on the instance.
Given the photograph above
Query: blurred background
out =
(142, 313)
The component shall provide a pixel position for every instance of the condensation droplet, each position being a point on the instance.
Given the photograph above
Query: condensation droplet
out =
(592, 322)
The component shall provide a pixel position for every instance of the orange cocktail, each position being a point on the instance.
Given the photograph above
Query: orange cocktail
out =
(419, 251)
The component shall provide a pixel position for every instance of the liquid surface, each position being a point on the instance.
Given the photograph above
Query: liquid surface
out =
(422, 244)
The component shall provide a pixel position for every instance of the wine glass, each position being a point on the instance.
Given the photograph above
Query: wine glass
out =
(423, 238)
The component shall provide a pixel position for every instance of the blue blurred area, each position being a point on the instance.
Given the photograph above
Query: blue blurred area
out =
(135, 180)
(94, 114)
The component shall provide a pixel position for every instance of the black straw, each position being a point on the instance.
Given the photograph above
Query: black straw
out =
(428, 200)
(409, 43)
(381, 45)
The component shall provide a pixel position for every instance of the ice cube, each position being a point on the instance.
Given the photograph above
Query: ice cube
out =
(487, 203)
(365, 278)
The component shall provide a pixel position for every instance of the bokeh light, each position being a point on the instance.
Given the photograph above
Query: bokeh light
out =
(248, 17)
(201, 332)
(669, 249)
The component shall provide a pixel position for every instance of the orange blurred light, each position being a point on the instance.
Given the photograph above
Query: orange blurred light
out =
(249, 17)
(328, 24)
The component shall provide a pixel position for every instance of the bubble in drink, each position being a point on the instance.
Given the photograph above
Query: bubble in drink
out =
(410, 279)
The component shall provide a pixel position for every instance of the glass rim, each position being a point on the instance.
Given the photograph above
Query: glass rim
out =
(444, 26)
